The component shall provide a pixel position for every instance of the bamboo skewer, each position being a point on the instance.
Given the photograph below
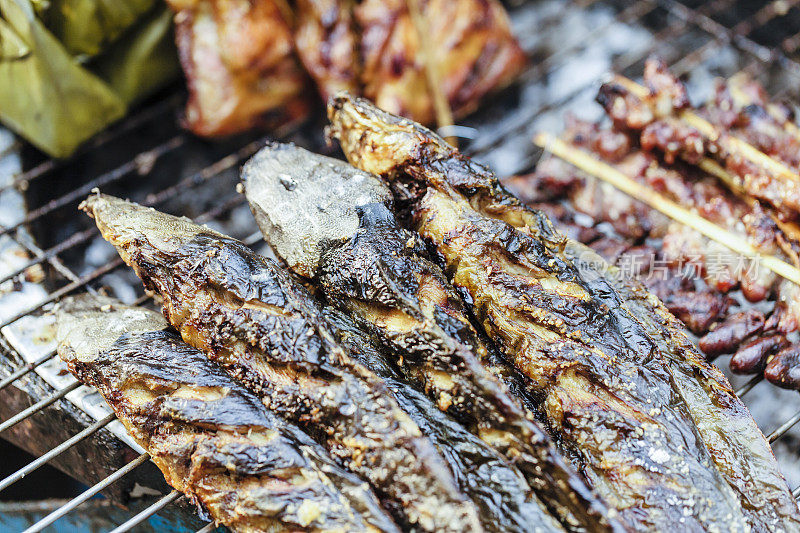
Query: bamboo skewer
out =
(715, 169)
(748, 151)
(741, 99)
(730, 143)
(589, 164)
(444, 115)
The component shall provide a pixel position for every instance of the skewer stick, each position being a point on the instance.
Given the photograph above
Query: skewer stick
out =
(791, 229)
(589, 164)
(730, 143)
(715, 169)
(444, 115)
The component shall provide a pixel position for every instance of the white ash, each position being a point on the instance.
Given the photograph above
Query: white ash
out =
(700, 80)
(98, 253)
(241, 223)
(14, 297)
(122, 285)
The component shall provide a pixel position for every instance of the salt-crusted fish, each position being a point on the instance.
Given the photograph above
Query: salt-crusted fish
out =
(252, 317)
(212, 438)
(335, 224)
(657, 430)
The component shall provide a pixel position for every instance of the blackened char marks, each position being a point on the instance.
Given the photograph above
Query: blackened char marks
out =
(251, 316)
(657, 379)
(213, 439)
(379, 273)
(506, 501)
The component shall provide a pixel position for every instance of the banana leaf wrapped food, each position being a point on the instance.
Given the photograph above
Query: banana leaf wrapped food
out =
(69, 68)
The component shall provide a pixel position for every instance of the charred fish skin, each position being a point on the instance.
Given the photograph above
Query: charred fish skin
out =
(347, 239)
(505, 500)
(737, 446)
(297, 234)
(213, 439)
(610, 389)
(252, 317)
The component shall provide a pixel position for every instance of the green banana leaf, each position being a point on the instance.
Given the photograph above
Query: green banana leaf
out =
(143, 62)
(88, 26)
(57, 99)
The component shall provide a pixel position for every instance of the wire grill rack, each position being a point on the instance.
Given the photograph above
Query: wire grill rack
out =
(720, 37)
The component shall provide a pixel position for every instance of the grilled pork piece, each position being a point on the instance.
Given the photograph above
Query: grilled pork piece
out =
(743, 108)
(327, 43)
(241, 71)
(252, 317)
(505, 500)
(213, 439)
(751, 357)
(239, 65)
(784, 369)
(469, 43)
(658, 431)
(656, 118)
(470, 46)
(347, 239)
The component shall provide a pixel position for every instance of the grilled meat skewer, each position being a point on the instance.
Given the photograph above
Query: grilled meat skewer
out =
(683, 252)
(505, 500)
(656, 118)
(658, 431)
(213, 439)
(689, 186)
(347, 239)
(249, 315)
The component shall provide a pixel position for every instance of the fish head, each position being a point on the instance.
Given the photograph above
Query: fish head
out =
(131, 227)
(305, 202)
(377, 141)
(87, 325)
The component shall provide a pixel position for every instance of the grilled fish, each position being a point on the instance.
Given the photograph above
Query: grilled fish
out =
(252, 317)
(347, 239)
(657, 430)
(505, 500)
(213, 439)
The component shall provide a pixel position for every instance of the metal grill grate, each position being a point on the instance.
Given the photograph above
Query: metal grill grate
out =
(762, 39)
